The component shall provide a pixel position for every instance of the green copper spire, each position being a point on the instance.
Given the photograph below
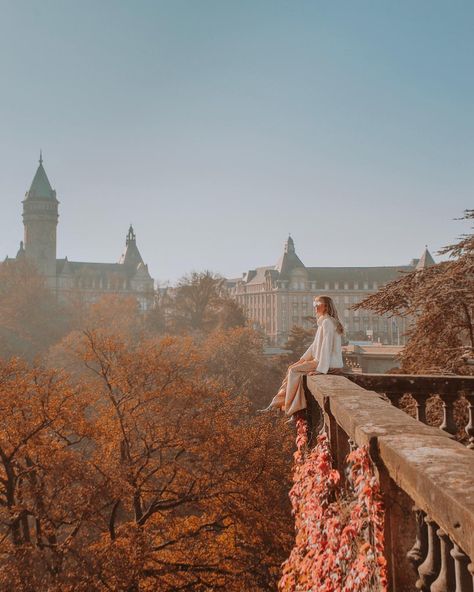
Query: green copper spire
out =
(40, 186)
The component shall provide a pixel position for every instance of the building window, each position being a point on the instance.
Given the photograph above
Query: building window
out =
(356, 286)
(336, 285)
(346, 286)
(326, 285)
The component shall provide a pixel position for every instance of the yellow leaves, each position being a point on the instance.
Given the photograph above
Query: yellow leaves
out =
(142, 472)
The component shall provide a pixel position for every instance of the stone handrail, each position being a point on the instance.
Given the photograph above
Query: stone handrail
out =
(427, 480)
(422, 388)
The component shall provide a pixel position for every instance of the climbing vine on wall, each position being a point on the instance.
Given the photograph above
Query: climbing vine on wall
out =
(339, 525)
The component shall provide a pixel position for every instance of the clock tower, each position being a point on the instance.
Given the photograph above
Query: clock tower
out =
(40, 219)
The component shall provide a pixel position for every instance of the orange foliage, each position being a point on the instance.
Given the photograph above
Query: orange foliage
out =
(30, 317)
(235, 359)
(138, 474)
(339, 529)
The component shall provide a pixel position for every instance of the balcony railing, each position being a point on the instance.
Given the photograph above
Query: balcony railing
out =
(422, 390)
(426, 477)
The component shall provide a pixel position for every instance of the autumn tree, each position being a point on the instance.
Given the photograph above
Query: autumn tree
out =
(200, 303)
(235, 358)
(156, 317)
(47, 492)
(439, 301)
(299, 339)
(145, 476)
(116, 314)
(31, 319)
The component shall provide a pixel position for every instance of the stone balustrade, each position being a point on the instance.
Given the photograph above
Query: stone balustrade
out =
(422, 389)
(427, 478)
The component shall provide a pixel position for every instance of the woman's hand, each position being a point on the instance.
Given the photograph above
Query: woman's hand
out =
(296, 363)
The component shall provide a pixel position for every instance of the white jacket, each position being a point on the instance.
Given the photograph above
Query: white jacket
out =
(326, 347)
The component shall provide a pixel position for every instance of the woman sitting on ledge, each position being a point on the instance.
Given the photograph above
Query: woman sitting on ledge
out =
(323, 356)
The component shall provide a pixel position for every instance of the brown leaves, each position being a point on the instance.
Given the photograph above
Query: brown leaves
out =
(439, 301)
(137, 472)
(30, 319)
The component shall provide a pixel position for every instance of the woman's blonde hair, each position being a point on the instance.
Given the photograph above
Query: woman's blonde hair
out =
(331, 311)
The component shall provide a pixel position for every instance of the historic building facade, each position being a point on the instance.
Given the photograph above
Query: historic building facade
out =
(128, 277)
(279, 297)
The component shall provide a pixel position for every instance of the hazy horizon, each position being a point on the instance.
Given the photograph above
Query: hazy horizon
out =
(218, 128)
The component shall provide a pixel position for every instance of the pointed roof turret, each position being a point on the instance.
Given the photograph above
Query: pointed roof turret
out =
(131, 256)
(289, 245)
(40, 186)
(21, 251)
(289, 260)
(426, 260)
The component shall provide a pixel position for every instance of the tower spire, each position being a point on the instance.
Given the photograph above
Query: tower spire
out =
(40, 218)
(131, 256)
(130, 236)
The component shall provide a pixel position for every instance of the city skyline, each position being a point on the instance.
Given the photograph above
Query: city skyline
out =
(217, 129)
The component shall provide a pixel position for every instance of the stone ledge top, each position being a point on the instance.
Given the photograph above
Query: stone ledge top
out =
(364, 415)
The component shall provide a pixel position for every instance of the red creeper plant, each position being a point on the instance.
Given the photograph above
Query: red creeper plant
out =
(339, 527)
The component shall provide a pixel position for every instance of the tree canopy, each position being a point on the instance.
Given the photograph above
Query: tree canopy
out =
(199, 303)
(138, 477)
(439, 301)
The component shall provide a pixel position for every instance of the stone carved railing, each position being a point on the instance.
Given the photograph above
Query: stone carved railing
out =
(422, 389)
(427, 480)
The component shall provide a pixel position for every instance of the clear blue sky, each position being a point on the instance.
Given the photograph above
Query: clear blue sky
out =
(217, 127)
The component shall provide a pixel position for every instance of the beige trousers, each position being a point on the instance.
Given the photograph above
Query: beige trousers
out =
(290, 397)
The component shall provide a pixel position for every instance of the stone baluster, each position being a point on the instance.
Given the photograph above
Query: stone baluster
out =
(470, 425)
(418, 552)
(394, 397)
(470, 568)
(464, 580)
(448, 424)
(429, 569)
(421, 406)
(445, 582)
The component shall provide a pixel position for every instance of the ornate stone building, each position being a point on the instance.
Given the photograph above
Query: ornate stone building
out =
(128, 277)
(280, 296)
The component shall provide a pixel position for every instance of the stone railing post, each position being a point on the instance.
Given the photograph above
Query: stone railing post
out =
(418, 552)
(445, 582)
(470, 425)
(448, 424)
(462, 575)
(429, 569)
